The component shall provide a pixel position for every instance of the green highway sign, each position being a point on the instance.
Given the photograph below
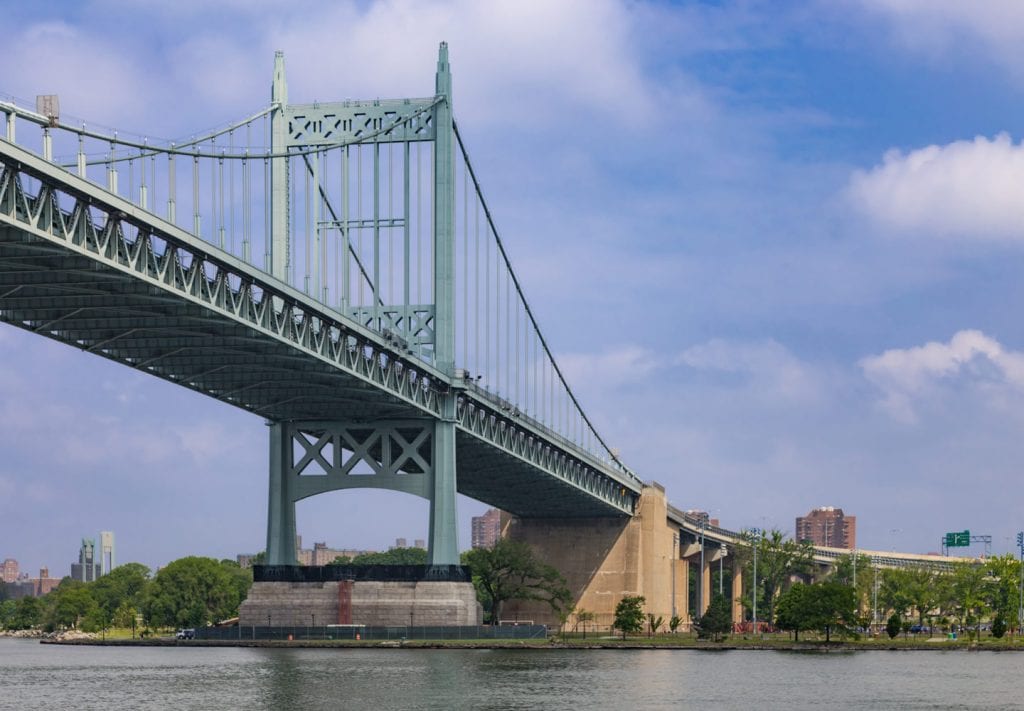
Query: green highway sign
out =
(958, 539)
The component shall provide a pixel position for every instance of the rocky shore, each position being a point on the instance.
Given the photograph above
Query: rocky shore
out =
(63, 636)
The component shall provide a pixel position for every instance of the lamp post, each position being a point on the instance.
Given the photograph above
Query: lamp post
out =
(1020, 578)
(753, 589)
(874, 605)
(892, 538)
(721, 578)
(700, 577)
(675, 554)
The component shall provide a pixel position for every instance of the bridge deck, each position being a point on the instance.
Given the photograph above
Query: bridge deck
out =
(91, 270)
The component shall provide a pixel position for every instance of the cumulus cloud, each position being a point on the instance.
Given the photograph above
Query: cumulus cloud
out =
(906, 376)
(612, 368)
(965, 188)
(994, 28)
(767, 365)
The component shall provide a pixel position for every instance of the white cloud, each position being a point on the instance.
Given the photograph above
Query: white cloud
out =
(767, 365)
(994, 27)
(971, 189)
(907, 376)
(610, 369)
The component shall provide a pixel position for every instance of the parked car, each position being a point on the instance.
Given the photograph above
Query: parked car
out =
(185, 634)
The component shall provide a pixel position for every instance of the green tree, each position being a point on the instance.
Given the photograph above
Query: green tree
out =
(893, 591)
(893, 625)
(836, 607)
(827, 606)
(7, 610)
(511, 571)
(795, 610)
(27, 613)
(341, 560)
(779, 559)
(674, 622)
(124, 615)
(1003, 588)
(971, 584)
(654, 623)
(922, 591)
(999, 626)
(857, 574)
(191, 592)
(241, 577)
(395, 556)
(582, 618)
(69, 604)
(717, 620)
(125, 583)
(629, 615)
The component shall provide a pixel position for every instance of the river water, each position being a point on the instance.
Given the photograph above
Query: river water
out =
(35, 676)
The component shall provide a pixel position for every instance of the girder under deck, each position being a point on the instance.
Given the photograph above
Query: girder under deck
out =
(86, 268)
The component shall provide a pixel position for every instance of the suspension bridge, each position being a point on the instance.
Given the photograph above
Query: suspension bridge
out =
(333, 268)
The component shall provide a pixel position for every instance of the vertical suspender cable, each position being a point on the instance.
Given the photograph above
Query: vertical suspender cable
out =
(465, 269)
(172, 188)
(391, 226)
(376, 229)
(406, 247)
(476, 290)
(195, 196)
(231, 193)
(346, 270)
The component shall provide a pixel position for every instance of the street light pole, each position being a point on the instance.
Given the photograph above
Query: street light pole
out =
(700, 587)
(874, 614)
(1020, 578)
(721, 579)
(753, 589)
(675, 554)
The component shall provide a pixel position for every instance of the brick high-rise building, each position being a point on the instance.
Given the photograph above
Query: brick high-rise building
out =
(9, 571)
(827, 526)
(487, 529)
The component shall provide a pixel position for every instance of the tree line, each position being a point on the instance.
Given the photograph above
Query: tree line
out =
(196, 591)
(793, 594)
(188, 592)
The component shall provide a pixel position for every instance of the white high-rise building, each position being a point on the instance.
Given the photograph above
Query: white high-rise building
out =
(106, 553)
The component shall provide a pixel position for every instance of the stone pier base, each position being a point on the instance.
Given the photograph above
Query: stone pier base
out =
(373, 603)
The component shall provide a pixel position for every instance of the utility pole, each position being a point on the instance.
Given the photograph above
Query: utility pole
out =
(753, 592)
(675, 554)
(721, 578)
(1020, 578)
(700, 587)
(874, 614)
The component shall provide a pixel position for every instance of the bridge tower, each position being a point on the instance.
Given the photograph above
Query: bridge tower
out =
(412, 456)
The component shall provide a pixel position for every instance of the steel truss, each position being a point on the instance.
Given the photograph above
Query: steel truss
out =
(88, 268)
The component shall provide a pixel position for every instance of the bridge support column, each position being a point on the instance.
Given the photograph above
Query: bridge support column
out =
(444, 545)
(737, 593)
(682, 589)
(705, 584)
(281, 501)
(606, 559)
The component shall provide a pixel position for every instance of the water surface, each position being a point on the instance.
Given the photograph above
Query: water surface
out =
(35, 676)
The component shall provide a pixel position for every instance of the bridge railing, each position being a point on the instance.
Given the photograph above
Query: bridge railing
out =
(359, 223)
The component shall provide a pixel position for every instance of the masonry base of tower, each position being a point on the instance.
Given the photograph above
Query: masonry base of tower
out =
(374, 596)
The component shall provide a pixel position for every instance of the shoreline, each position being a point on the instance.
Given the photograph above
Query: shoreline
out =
(538, 645)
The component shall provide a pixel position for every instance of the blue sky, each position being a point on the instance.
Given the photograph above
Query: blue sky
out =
(775, 245)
